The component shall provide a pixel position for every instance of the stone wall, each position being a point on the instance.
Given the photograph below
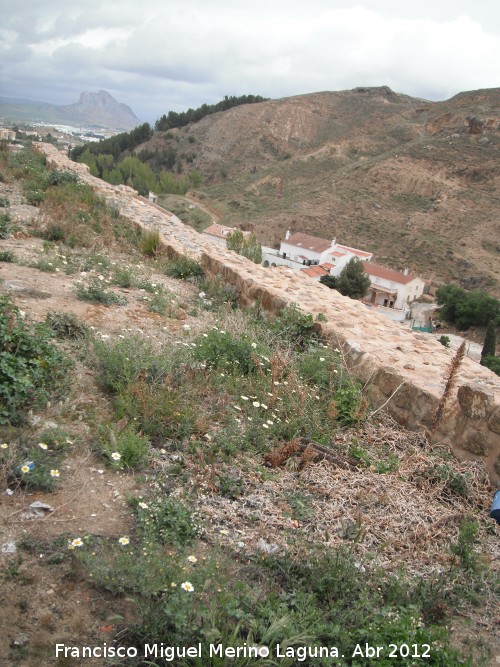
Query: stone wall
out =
(404, 371)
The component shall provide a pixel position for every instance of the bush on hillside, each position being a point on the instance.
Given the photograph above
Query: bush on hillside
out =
(31, 367)
(465, 309)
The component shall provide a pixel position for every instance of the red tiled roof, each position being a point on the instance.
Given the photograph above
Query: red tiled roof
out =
(355, 251)
(327, 266)
(218, 230)
(310, 242)
(338, 254)
(315, 271)
(388, 274)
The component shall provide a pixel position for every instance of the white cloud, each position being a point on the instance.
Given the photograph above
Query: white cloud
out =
(156, 57)
(95, 38)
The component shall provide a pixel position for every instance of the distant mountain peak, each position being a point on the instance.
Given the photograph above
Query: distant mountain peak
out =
(101, 108)
(92, 109)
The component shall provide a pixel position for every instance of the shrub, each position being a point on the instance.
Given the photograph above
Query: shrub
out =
(327, 595)
(168, 521)
(45, 265)
(349, 404)
(218, 294)
(121, 362)
(38, 462)
(132, 448)
(7, 256)
(444, 340)
(66, 325)
(159, 303)
(463, 548)
(5, 225)
(96, 291)
(493, 363)
(218, 349)
(150, 243)
(54, 232)
(56, 177)
(31, 367)
(123, 276)
(161, 412)
(295, 327)
(453, 482)
(320, 367)
(34, 197)
(184, 268)
(4, 202)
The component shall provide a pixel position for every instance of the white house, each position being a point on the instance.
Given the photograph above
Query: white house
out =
(392, 291)
(343, 254)
(301, 250)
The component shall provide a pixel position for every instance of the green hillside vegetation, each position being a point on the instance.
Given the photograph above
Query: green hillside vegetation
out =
(175, 119)
(234, 533)
(467, 308)
(158, 170)
(412, 181)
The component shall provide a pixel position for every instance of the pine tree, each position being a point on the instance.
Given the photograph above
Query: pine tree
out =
(490, 342)
(352, 281)
(329, 281)
(234, 241)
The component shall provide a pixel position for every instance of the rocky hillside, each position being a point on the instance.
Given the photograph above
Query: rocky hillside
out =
(414, 181)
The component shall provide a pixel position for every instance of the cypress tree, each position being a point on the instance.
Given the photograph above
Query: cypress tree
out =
(490, 342)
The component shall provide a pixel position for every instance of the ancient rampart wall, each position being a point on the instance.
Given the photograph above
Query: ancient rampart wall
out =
(404, 370)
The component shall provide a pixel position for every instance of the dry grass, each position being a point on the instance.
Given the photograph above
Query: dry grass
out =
(402, 517)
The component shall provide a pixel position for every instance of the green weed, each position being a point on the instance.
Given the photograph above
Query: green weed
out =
(5, 225)
(96, 290)
(150, 243)
(31, 367)
(124, 449)
(7, 256)
(217, 349)
(295, 327)
(183, 268)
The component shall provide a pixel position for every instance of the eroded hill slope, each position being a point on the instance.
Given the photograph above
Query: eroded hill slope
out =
(414, 181)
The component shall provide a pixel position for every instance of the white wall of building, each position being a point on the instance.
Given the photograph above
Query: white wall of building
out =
(393, 314)
(294, 252)
(406, 293)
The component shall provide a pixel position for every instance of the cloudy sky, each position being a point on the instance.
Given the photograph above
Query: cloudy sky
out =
(157, 55)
